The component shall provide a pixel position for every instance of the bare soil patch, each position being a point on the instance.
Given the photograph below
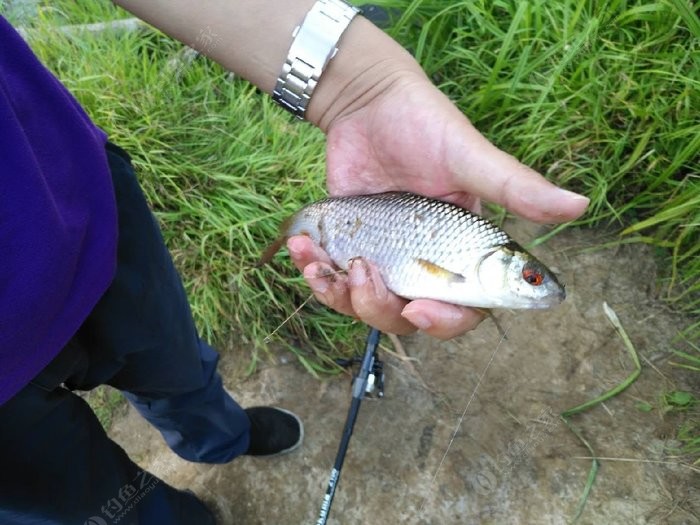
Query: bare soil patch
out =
(458, 453)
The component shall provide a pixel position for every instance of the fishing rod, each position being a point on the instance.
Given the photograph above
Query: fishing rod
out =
(368, 381)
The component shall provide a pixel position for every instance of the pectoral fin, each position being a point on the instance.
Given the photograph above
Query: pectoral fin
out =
(441, 272)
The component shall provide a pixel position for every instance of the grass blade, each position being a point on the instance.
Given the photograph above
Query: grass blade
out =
(615, 321)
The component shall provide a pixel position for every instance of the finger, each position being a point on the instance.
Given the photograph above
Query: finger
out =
(329, 286)
(372, 301)
(303, 252)
(441, 320)
(486, 171)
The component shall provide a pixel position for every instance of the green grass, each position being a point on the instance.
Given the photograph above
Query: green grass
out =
(601, 97)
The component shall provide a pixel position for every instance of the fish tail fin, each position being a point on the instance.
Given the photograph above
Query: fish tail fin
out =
(270, 251)
(288, 228)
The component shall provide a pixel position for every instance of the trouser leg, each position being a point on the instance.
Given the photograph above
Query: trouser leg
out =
(203, 425)
(58, 467)
(142, 340)
(56, 463)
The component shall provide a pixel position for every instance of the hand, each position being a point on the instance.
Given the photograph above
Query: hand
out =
(413, 138)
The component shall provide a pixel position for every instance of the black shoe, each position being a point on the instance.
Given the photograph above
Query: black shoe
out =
(273, 431)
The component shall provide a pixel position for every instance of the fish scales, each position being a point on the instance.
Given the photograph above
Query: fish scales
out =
(426, 248)
(400, 225)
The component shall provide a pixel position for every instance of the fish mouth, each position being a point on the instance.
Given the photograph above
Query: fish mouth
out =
(556, 296)
(558, 289)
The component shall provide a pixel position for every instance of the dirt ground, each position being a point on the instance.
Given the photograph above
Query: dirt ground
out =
(452, 444)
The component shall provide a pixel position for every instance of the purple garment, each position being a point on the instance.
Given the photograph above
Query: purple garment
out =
(58, 228)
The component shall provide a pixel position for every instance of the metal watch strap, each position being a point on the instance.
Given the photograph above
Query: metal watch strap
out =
(315, 43)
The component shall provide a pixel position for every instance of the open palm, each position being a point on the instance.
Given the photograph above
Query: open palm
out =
(412, 138)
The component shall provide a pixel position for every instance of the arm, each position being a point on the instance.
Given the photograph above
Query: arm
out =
(253, 37)
(388, 128)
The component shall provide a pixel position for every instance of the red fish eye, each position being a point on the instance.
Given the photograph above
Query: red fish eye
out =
(532, 276)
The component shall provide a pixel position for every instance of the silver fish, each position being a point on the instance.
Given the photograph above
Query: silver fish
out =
(427, 249)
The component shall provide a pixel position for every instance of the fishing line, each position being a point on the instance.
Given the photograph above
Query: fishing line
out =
(296, 311)
(461, 418)
(268, 338)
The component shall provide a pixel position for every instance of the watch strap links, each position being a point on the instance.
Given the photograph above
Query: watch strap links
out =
(314, 45)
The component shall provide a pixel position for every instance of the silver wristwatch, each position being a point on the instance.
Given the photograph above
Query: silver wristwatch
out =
(315, 43)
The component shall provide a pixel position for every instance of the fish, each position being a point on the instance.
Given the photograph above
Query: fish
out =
(426, 248)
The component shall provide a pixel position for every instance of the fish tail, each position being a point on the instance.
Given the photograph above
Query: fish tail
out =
(270, 251)
(300, 223)
(285, 233)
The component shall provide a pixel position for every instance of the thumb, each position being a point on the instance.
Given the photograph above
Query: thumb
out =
(484, 170)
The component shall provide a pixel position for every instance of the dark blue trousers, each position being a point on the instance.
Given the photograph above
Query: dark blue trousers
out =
(57, 465)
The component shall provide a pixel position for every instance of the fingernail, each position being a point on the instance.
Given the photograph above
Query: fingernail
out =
(419, 320)
(319, 284)
(294, 248)
(574, 196)
(357, 276)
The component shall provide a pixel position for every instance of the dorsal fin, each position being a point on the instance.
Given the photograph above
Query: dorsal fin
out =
(439, 271)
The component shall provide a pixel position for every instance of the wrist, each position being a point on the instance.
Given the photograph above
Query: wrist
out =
(314, 45)
(367, 64)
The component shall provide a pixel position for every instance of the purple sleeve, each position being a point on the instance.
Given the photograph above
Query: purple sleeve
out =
(57, 215)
